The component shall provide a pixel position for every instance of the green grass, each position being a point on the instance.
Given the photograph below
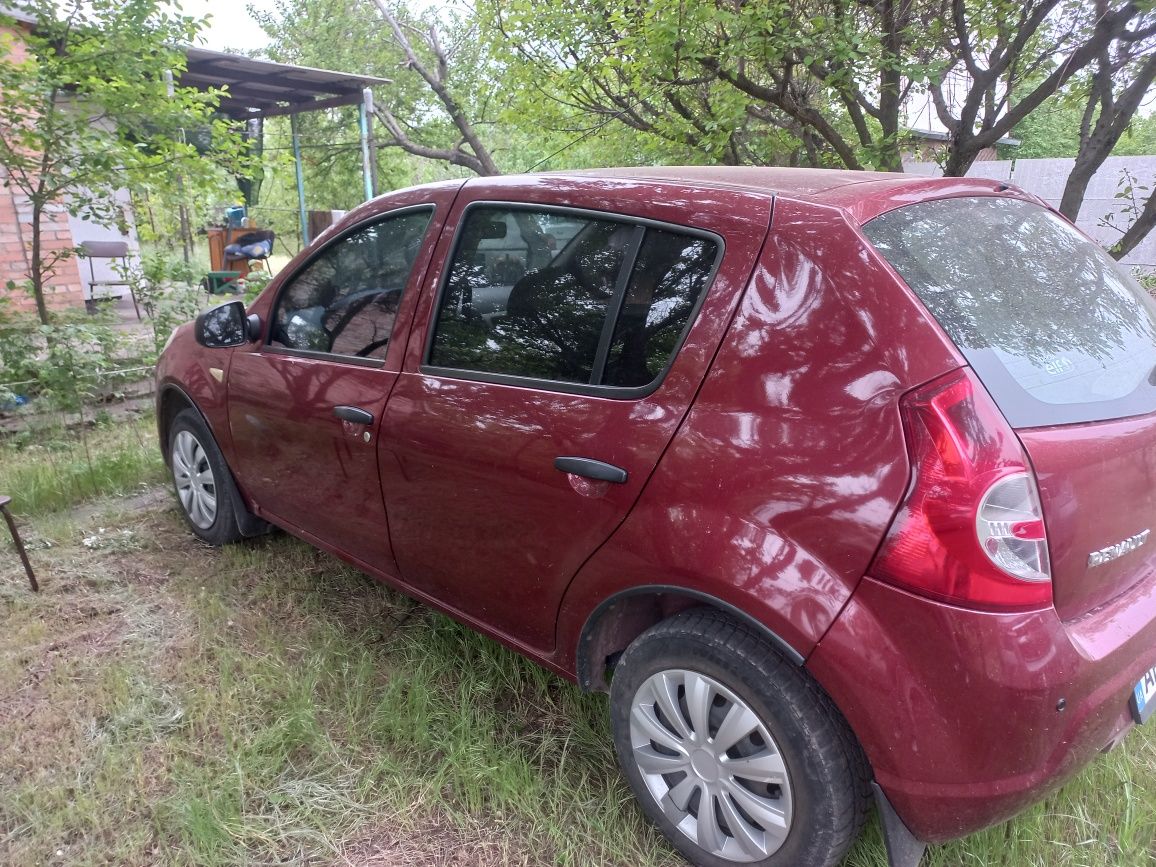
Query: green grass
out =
(166, 703)
(50, 468)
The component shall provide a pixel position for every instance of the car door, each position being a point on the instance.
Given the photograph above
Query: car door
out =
(556, 350)
(305, 405)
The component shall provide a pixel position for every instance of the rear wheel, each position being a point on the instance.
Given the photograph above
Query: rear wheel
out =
(734, 753)
(202, 480)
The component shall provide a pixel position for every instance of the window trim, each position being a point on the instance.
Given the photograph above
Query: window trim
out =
(314, 255)
(614, 304)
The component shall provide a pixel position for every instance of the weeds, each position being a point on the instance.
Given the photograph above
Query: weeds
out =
(49, 468)
(164, 702)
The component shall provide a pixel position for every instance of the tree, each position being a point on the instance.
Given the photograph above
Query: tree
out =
(442, 103)
(86, 108)
(767, 82)
(1000, 60)
(756, 82)
(425, 55)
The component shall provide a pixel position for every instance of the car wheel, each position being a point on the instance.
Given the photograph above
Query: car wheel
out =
(202, 480)
(733, 751)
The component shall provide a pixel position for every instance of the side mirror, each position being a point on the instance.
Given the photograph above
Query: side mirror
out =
(226, 325)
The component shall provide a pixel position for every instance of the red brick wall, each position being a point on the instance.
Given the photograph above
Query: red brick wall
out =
(65, 288)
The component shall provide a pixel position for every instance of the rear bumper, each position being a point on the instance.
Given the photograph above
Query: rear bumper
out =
(969, 717)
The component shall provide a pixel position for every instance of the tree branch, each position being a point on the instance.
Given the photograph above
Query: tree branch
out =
(482, 162)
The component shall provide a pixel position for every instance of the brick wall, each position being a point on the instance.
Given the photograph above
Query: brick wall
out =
(65, 288)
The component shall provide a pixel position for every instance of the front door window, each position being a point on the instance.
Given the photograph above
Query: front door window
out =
(345, 301)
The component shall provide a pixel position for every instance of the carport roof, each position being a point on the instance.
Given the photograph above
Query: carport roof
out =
(262, 88)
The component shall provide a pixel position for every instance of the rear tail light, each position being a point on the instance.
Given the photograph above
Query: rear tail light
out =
(971, 530)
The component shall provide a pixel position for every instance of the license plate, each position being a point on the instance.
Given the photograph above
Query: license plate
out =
(1144, 696)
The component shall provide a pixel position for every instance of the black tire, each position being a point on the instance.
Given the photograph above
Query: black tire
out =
(826, 781)
(223, 527)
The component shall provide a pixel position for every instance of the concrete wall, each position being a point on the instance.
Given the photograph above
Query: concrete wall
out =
(1046, 178)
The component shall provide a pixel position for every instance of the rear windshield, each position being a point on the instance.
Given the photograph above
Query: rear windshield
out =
(1057, 331)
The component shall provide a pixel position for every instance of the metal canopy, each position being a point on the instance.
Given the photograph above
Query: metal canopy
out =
(261, 88)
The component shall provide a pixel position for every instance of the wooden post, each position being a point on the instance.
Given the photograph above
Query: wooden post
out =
(4, 501)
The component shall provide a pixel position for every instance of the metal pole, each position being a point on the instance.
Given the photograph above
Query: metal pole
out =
(186, 228)
(4, 501)
(363, 125)
(367, 98)
(300, 180)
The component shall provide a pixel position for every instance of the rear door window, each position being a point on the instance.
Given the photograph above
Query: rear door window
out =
(568, 298)
(1058, 331)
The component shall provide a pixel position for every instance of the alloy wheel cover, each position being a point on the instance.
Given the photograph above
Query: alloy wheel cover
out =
(711, 765)
(193, 475)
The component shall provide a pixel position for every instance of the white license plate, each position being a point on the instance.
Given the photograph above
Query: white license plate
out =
(1144, 696)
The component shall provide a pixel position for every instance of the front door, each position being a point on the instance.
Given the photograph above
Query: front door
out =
(547, 374)
(305, 407)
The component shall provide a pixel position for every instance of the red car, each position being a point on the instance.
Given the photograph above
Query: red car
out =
(841, 484)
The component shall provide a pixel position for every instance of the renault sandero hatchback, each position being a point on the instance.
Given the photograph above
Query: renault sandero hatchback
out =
(841, 484)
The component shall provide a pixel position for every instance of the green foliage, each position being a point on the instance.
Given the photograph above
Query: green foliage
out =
(18, 349)
(348, 35)
(1140, 139)
(751, 83)
(78, 351)
(253, 284)
(86, 109)
(168, 291)
(1053, 130)
(64, 361)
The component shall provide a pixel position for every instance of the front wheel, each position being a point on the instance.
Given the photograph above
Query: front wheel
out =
(202, 480)
(735, 753)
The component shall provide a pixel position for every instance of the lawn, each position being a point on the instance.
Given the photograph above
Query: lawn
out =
(162, 702)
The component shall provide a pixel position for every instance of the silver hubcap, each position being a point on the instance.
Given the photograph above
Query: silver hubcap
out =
(194, 478)
(711, 764)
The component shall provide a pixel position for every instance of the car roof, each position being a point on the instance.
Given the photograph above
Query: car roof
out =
(862, 194)
(803, 182)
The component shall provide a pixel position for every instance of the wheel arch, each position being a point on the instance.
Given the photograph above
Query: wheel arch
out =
(625, 615)
(171, 401)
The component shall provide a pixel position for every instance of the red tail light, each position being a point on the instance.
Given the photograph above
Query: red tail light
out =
(971, 530)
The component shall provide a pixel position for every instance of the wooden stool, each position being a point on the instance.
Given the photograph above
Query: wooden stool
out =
(4, 501)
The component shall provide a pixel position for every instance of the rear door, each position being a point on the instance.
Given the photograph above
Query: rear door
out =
(305, 406)
(553, 358)
(1065, 341)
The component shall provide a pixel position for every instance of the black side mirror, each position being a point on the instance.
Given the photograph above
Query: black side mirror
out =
(226, 325)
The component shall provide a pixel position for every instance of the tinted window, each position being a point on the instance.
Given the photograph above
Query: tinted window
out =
(528, 293)
(1058, 332)
(345, 301)
(547, 296)
(664, 288)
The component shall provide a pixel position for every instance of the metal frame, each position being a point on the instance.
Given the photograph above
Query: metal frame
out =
(261, 88)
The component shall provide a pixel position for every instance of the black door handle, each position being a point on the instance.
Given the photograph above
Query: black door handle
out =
(591, 469)
(354, 414)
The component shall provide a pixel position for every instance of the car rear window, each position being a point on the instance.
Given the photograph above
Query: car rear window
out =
(1058, 332)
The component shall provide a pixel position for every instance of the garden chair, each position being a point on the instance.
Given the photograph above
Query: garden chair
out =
(92, 250)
